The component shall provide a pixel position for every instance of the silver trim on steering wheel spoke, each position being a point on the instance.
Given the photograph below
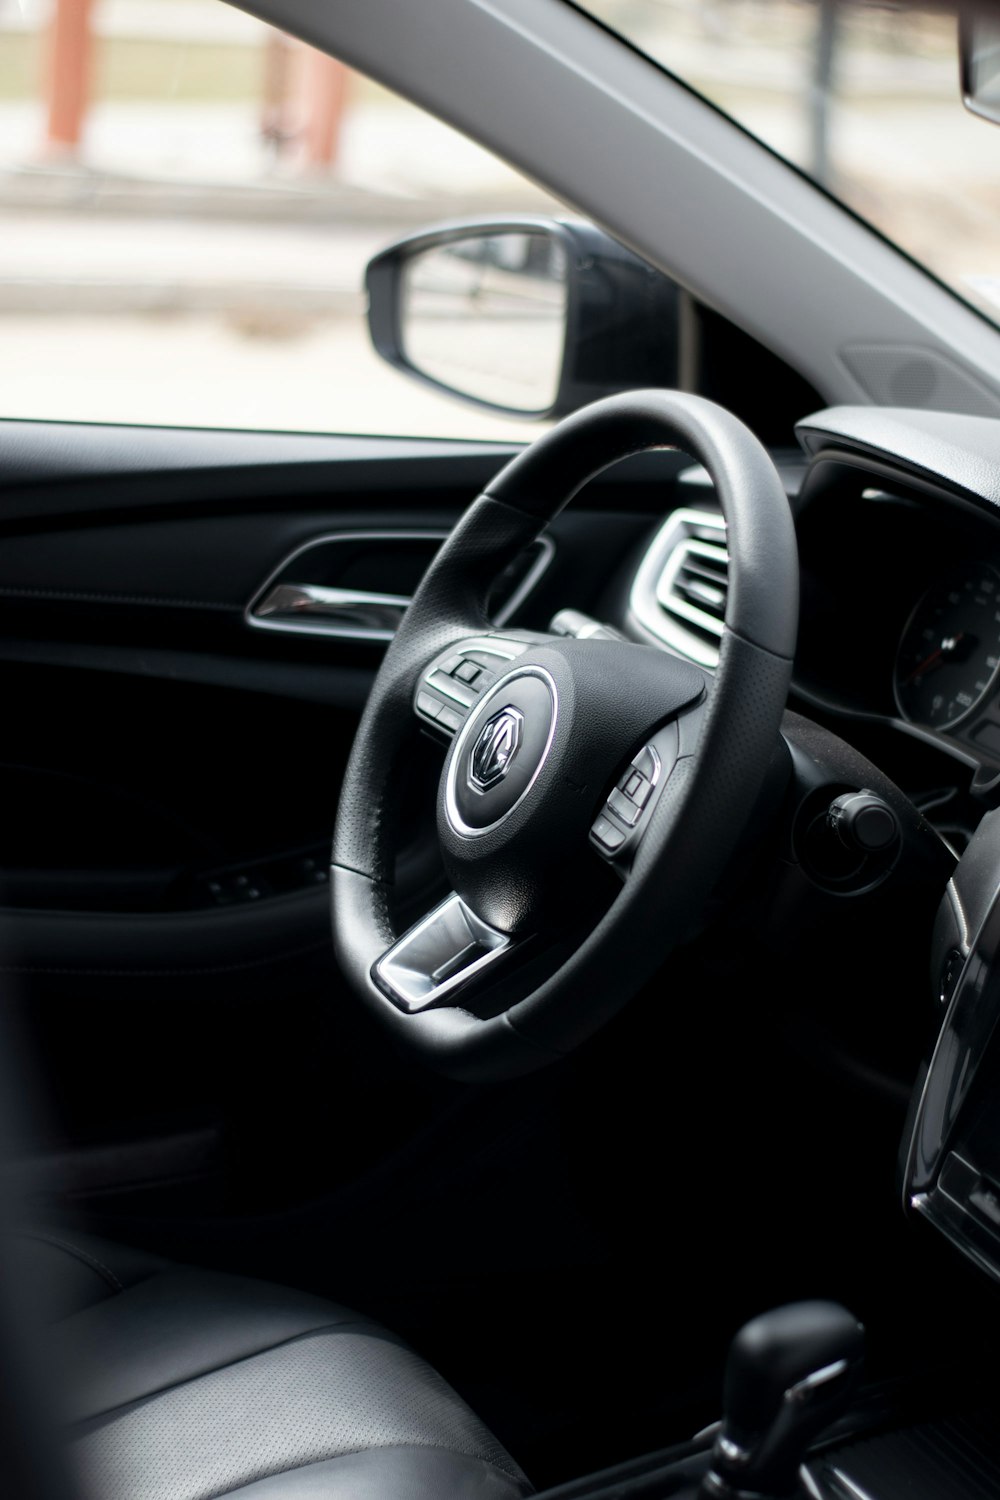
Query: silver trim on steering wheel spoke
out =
(438, 956)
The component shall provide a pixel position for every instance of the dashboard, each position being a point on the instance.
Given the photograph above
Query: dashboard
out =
(900, 615)
(898, 523)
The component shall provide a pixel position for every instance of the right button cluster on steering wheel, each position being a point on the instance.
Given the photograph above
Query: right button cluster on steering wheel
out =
(623, 815)
(635, 786)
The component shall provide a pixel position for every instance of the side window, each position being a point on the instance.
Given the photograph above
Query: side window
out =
(188, 199)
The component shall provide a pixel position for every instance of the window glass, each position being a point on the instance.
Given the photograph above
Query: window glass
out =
(863, 95)
(188, 199)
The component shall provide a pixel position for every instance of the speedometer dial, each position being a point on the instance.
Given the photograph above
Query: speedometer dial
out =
(949, 654)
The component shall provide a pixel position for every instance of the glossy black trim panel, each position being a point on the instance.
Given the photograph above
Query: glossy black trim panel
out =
(65, 468)
(940, 1146)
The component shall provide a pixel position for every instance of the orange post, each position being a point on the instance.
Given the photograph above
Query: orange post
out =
(70, 58)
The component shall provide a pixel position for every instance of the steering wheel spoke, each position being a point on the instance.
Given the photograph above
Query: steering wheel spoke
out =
(439, 956)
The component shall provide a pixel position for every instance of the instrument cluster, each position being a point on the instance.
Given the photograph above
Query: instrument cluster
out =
(948, 658)
(900, 613)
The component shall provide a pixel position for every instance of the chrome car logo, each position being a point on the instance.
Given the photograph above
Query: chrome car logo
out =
(495, 749)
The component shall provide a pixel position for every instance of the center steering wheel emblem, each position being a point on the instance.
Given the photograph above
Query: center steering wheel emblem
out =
(495, 749)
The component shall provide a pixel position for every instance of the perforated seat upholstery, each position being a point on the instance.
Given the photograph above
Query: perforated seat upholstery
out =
(180, 1384)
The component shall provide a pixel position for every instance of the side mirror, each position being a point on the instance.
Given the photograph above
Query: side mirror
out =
(529, 316)
(979, 61)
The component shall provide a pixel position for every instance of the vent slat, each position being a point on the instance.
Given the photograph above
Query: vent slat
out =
(694, 586)
(716, 573)
(680, 591)
(699, 592)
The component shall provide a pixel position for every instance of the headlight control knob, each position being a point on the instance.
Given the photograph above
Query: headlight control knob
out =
(864, 822)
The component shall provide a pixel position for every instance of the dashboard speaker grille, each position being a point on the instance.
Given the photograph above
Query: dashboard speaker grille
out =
(900, 375)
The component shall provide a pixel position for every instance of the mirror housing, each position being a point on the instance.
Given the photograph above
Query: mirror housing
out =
(979, 60)
(618, 316)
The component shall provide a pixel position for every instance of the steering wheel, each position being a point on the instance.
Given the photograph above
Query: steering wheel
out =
(593, 792)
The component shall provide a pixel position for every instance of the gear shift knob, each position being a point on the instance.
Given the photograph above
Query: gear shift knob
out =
(790, 1373)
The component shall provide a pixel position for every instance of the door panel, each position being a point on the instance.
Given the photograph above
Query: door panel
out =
(171, 777)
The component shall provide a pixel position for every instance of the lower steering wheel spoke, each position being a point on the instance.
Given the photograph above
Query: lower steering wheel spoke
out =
(439, 956)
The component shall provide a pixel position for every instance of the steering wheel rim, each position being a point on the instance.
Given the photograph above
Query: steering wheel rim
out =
(705, 800)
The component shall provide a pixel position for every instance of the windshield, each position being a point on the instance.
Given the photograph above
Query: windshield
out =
(862, 97)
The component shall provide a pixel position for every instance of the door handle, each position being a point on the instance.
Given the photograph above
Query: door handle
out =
(353, 612)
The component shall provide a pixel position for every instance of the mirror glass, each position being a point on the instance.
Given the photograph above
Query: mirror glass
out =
(486, 316)
(979, 40)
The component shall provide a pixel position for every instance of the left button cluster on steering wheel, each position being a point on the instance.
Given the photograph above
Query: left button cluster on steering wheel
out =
(454, 682)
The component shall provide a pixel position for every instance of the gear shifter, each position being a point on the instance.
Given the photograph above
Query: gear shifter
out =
(790, 1373)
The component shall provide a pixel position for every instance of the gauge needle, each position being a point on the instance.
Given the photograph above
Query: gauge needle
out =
(946, 648)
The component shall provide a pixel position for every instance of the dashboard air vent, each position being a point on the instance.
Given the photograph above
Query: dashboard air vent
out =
(680, 590)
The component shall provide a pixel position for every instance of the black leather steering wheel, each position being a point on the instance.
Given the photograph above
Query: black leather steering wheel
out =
(594, 790)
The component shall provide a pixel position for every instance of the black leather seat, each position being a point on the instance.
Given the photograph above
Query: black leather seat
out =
(182, 1384)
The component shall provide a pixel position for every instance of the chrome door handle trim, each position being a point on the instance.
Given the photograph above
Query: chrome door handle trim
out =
(304, 620)
(355, 612)
(316, 609)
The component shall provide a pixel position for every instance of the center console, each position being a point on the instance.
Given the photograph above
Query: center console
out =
(794, 1424)
(796, 1427)
(883, 1449)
